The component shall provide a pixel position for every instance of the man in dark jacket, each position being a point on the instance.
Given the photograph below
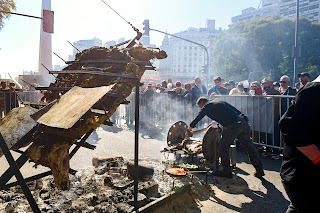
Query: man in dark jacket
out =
(285, 89)
(235, 125)
(198, 89)
(304, 78)
(300, 170)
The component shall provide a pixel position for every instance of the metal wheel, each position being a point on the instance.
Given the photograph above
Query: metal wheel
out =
(176, 133)
(210, 146)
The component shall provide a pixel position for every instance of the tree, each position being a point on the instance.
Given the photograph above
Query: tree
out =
(265, 45)
(8, 6)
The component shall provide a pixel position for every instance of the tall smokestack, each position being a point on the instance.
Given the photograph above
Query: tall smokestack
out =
(45, 53)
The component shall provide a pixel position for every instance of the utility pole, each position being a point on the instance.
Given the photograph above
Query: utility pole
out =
(45, 50)
(296, 47)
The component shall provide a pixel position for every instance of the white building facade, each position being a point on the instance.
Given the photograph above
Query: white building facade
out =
(186, 60)
(285, 8)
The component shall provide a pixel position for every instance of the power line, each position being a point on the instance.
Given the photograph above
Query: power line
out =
(20, 14)
(134, 28)
(259, 4)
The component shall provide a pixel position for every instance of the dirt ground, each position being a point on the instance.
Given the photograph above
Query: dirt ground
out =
(242, 193)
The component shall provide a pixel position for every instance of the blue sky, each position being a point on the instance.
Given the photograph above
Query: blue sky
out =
(86, 19)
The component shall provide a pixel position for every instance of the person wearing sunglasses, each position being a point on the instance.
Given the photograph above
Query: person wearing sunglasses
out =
(285, 89)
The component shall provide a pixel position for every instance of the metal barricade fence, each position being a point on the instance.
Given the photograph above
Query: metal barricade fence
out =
(30, 96)
(264, 113)
(10, 99)
(160, 111)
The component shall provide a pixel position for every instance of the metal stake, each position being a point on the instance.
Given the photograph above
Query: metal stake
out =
(136, 146)
(296, 46)
(18, 175)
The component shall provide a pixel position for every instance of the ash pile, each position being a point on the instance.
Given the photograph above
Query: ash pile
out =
(106, 188)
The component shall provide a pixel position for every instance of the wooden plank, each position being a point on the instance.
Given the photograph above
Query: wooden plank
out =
(72, 106)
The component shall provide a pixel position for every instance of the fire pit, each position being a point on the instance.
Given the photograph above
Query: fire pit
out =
(105, 188)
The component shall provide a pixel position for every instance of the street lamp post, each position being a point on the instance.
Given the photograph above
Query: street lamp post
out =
(296, 46)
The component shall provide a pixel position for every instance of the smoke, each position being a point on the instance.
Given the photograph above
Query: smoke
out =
(235, 55)
(159, 112)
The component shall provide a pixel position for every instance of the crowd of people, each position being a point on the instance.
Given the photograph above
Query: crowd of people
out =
(195, 89)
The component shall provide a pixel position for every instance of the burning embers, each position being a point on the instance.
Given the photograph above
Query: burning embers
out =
(106, 188)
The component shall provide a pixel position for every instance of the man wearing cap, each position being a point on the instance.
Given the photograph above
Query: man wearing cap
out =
(268, 89)
(231, 85)
(300, 170)
(304, 78)
(217, 88)
(235, 125)
(267, 86)
(149, 92)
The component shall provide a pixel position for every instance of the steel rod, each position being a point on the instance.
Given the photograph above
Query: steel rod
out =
(136, 145)
(18, 175)
(93, 73)
(7, 175)
(83, 139)
(107, 61)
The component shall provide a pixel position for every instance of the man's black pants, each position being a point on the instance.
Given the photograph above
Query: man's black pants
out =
(241, 131)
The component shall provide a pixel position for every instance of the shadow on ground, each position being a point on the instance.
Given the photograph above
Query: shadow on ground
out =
(270, 202)
(268, 163)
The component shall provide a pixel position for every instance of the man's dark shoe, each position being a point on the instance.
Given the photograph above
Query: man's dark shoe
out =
(259, 173)
(224, 173)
